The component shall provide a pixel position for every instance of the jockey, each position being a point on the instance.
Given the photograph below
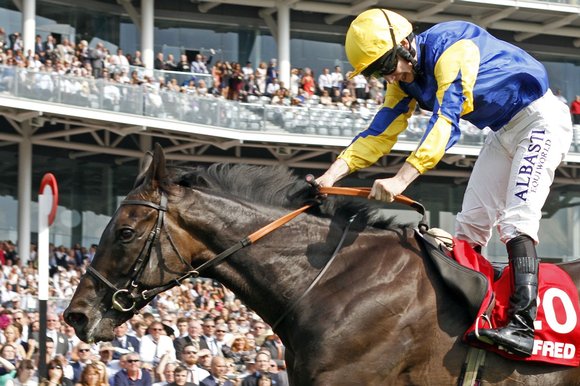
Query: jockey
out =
(458, 70)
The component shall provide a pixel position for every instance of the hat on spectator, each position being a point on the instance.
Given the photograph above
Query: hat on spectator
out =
(106, 346)
(203, 352)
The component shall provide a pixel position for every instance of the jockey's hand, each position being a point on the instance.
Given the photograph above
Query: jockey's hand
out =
(387, 189)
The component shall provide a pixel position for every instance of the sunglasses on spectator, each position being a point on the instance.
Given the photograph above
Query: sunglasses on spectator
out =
(84, 349)
(55, 367)
(133, 360)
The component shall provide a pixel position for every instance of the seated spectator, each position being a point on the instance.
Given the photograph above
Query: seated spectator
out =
(55, 375)
(346, 97)
(25, 375)
(132, 374)
(325, 98)
(280, 97)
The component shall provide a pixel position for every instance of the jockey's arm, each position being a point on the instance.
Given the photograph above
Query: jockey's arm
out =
(377, 140)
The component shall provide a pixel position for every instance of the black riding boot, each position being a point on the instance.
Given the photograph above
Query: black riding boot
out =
(518, 336)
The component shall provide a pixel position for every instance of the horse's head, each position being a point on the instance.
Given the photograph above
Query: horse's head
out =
(137, 257)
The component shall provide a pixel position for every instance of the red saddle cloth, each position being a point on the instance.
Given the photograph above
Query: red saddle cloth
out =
(557, 327)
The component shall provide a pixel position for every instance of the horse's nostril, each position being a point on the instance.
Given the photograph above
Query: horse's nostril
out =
(77, 320)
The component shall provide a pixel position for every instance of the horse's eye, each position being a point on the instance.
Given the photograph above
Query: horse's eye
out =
(126, 234)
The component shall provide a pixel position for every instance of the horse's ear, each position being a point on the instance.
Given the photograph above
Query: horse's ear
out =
(152, 167)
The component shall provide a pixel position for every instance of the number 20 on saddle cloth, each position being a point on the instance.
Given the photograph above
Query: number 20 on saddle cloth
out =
(557, 325)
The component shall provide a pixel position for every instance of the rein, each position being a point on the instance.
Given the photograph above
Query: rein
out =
(125, 299)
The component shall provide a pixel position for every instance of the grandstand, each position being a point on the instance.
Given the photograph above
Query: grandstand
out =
(74, 127)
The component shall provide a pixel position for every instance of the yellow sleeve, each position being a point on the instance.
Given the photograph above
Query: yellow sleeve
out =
(456, 72)
(381, 135)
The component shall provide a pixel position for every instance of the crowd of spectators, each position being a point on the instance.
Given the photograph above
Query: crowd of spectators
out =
(205, 77)
(197, 333)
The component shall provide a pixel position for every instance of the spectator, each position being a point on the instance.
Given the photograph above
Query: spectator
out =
(98, 56)
(194, 331)
(25, 375)
(248, 70)
(159, 62)
(180, 376)
(262, 369)
(273, 344)
(90, 376)
(137, 59)
(126, 343)
(204, 357)
(156, 344)
(83, 355)
(272, 71)
(189, 360)
(12, 337)
(218, 373)
(183, 64)
(166, 373)
(325, 81)
(575, 110)
(133, 374)
(260, 75)
(170, 64)
(55, 375)
(198, 66)
(308, 83)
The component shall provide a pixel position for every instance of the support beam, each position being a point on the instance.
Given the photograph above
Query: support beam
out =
(206, 7)
(495, 16)
(547, 27)
(147, 35)
(132, 12)
(432, 10)
(266, 15)
(18, 4)
(355, 9)
(28, 26)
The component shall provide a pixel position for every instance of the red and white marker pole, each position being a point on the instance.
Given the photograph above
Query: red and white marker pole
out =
(47, 205)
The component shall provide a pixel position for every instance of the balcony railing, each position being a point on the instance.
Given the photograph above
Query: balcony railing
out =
(259, 115)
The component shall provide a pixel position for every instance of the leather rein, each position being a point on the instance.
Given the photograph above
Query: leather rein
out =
(125, 299)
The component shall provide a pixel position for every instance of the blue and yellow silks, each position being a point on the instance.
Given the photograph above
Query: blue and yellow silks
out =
(466, 73)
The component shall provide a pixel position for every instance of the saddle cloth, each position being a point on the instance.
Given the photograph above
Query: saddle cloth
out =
(557, 327)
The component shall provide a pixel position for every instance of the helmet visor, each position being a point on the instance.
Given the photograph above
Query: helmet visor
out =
(386, 64)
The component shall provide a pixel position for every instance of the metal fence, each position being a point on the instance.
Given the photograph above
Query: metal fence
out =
(149, 99)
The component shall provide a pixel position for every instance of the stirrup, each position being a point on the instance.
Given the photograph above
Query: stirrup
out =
(486, 319)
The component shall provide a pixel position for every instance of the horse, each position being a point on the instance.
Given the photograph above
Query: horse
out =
(349, 292)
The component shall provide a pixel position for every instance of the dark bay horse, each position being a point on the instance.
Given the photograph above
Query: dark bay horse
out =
(379, 315)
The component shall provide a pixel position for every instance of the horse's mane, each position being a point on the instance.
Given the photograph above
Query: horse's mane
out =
(274, 186)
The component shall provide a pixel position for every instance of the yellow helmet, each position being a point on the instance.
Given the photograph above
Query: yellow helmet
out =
(368, 38)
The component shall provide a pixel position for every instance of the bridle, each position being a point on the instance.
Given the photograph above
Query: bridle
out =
(125, 299)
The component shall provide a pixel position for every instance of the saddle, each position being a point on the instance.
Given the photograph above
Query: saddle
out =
(471, 286)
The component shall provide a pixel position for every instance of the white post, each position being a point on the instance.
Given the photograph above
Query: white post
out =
(284, 43)
(28, 25)
(147, 32)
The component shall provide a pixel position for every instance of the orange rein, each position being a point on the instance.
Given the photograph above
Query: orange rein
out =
(359, 192)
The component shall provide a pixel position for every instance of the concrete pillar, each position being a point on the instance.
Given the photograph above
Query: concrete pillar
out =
(28, 25)
(147, 32)
(24, 191)
(284, 43)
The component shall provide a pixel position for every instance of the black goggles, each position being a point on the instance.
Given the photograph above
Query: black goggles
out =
(386, 64)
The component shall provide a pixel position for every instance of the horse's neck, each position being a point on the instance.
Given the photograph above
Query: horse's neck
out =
(268, 274)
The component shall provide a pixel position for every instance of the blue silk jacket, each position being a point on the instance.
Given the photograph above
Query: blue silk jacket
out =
(466, 73)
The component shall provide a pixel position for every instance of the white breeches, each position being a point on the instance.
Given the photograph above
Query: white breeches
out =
(512, 176)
